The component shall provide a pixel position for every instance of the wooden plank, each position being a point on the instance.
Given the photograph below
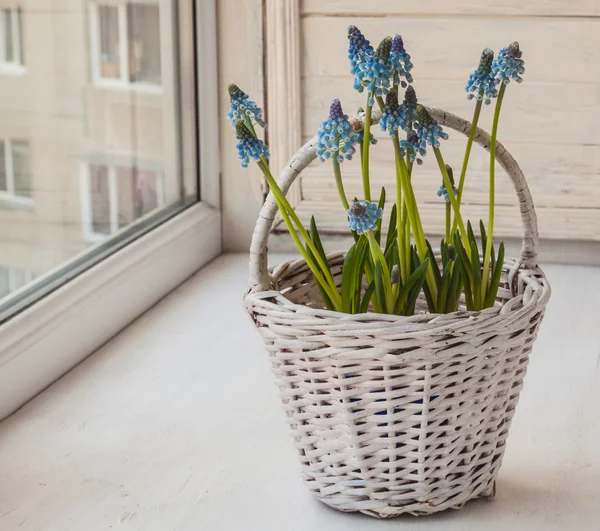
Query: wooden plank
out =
(449, 48)
(551, 112)
(381, 8)
(554, 223)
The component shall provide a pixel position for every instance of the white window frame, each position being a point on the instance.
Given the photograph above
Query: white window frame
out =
(9, 194)
(52, 335)
(14, 283)
(123, 82)
(14, 67)
(87, 220)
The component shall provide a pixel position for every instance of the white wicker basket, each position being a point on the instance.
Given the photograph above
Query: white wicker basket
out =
(392, 414)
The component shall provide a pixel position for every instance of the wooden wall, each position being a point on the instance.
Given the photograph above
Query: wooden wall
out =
(550, 123)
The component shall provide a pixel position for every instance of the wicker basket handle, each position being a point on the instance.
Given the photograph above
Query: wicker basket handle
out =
(259, 275)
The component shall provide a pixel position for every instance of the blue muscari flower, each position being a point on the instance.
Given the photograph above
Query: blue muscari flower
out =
(336, 136)
(243, 108)
(358, 46)
(401, 64)
(428, 130)
(442, 190)
(374, 71)
(363, 216)
(397, 116)
(482, 83)
(412, 146)
(509, 65)
(249, 146)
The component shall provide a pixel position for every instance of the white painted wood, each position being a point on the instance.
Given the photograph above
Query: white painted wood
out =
(241, 55)
(509, 8)
(548, 122)
(86, 454)
(46, 340)
(284, 101)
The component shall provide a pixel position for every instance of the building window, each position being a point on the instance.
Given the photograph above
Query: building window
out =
(11, 50)
(126, 44)
(12, 279)
(15, 175)
(116, 196)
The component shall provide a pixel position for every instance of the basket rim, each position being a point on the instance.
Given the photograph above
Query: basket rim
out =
(533, 277)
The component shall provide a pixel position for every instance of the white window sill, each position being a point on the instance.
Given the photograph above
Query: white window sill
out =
(111, 84)
(176, 424)
(11, 69)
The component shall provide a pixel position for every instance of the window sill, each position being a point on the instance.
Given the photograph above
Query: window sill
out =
(146, 88)
(176, 424)
(12, 202)
(44, 341)
(9, 69)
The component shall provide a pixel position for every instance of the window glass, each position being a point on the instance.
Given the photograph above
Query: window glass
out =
(143, 30)
(88, 167)
(20, 168)
(4, 282)
(3, 178)
(108, 30)
(9, 51)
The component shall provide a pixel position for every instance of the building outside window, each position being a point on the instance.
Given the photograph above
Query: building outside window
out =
(115, 196)
(126, 44)
(12, 279)
(15, 176)
(11, 47)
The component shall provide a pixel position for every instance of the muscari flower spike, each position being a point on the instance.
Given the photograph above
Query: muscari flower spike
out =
(336, 136)
(401, 64)
(482, 83)
(363, 216)
(442, 190)
(397, 116)
(243, 108)
(509, 64)
(249, 146)
(358, 46)
(428, 130)
(412, 146)
(373, 71)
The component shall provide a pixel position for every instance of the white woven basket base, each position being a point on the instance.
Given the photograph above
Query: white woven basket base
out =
(394, 415)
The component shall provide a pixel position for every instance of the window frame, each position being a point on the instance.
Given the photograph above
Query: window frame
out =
(122, 82)
(9, 195)
(87, 219)
(16, 66)
(89, 305)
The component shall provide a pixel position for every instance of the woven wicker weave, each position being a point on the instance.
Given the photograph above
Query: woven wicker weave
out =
(392, 414)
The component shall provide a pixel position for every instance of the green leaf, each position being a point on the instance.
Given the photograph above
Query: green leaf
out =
(347, 279)
(476, 270)
(470, 232)
(493, 289)
(381, 205)
(454, 288)
(436, 269)
(379, 289)
(362, 250)
(443, 289)
(468, 293)
(364, 305)
(392, 229)
(483, 235)
(403, 295)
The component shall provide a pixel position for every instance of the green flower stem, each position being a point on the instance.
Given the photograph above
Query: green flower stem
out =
(453, 201)
(413, 215)
(365, 152)
(490, 227)
(249, 125)
(378, 257)
(287, 210)
(463, 171)
(448, 214)
(338, 181)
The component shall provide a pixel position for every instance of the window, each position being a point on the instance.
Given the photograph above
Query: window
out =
(116, 196)
(11, 50)
(12, 279)
(126, 48)
(15, 183)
